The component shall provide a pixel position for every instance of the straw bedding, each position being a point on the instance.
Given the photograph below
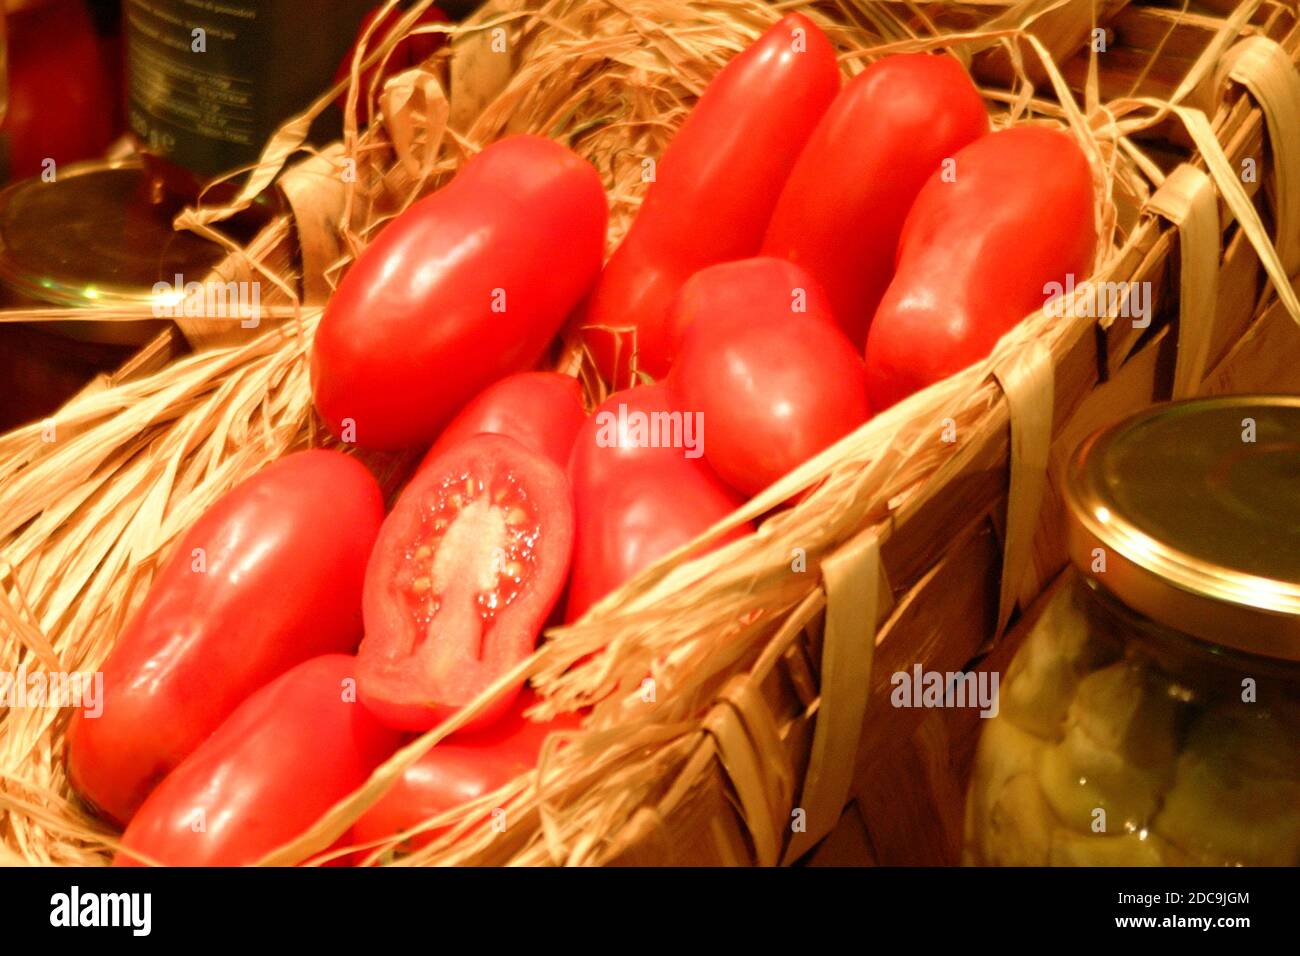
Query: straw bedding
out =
(85, 518)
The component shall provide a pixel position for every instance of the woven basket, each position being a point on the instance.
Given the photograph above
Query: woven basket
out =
(765, 734)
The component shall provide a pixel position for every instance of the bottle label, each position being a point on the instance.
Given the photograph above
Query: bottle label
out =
(210, 80)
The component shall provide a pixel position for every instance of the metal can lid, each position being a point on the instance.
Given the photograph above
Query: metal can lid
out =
(1189, 513)
(94, 236)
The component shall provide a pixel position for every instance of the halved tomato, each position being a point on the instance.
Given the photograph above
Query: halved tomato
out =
(467, 567)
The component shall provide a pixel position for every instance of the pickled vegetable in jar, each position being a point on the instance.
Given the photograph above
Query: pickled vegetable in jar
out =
(1152, 715)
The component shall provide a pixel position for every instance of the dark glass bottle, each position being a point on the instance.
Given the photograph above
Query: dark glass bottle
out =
(208, 82)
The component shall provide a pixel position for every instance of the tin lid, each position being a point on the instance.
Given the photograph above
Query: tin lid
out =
(1189, 513)
(96, 235)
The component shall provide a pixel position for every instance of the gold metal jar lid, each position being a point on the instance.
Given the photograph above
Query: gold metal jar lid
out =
(1189, 513)
(95, 236)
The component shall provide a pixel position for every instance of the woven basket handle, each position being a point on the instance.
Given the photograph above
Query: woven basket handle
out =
(851, 580)
(1189, 200)
(1027, 381)
(1263, 67)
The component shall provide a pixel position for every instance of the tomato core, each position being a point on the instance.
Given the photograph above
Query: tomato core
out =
(466, 569)
(475, 547)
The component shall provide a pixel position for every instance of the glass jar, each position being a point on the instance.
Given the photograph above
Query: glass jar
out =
(96, 236)
(1152, 716)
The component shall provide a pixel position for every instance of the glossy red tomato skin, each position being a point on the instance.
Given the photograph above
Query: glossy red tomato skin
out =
(285, 756)
(461, 768)
(410, 51)
(284, 556)
(636, 503)
(62, 89)
(541, 410)
(714, 188)
(977, 254)
(774, 385)
(469, 284)
(842, 209)
(737, 288)
(413, 680)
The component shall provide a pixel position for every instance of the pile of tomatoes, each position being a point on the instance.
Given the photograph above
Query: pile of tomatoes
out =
(805, 255)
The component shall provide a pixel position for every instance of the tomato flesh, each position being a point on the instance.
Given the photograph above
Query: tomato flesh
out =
(475, 548)
(465, 572)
